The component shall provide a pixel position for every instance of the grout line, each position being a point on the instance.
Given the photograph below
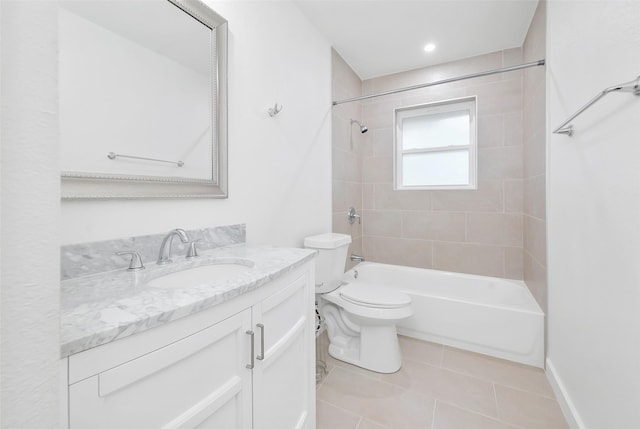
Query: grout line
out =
(360, 422)
(435, 409)
(529, 392)
(495, 398)
(344, 410)
(493, 418)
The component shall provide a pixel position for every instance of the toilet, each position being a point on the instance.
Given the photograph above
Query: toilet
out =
(360, 318)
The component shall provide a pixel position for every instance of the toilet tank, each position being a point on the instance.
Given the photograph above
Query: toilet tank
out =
(332, 256)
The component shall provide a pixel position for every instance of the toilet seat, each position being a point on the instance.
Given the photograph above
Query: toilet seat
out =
(375, 303)
(375, 296)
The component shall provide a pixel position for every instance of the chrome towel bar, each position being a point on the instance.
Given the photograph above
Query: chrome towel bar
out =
(112, 155)
(633, 87)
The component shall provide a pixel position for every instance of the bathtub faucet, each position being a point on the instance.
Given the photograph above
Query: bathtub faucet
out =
(358, 258)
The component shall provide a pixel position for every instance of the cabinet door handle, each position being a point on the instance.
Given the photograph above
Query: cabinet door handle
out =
(251, 365)
(261, 355)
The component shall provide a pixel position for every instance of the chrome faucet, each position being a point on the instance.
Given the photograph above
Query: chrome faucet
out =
(355, 257)
(164, 257)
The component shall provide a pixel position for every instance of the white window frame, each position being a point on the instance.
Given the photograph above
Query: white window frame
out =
(464, 103)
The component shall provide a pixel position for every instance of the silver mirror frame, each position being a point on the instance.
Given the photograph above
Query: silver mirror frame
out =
(81, 185)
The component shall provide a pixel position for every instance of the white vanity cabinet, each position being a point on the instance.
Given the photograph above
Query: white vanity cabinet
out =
(246, 363)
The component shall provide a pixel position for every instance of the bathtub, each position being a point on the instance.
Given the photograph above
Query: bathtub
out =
(487, 315)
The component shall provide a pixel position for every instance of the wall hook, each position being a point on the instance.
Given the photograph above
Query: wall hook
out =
(273, 111)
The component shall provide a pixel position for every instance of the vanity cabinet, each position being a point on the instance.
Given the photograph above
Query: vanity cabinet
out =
(246, 363)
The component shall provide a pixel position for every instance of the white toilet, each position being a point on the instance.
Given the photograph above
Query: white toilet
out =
(360, 318)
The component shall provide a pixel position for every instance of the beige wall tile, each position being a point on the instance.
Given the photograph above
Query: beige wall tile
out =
(535, 239)
(338, 195)
(534, 47)
(512, 129)
(535, 196)
(377, 170)
(354, 248)
(480, 259)
(511, 57)
(438, 215)
(433, 225)
(341, 226)
(535, 276)
(367, 196)
(385, 198)
(342, 74)
(495, 228)
(490, 130)
(432, 94)
(500, 163)
(498, 97)
(534, 153)
(488, 197)
(353, 195)
(382, 142)
(513, 195)
(513, 263)
(346, 165)
(379, 114)
(382, 223)
(399, 251)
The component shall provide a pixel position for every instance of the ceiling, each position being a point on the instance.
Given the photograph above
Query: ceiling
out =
(381, 37)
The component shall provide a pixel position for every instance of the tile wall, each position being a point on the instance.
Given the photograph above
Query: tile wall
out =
(477, 232)
(347, 149)
(534, 168)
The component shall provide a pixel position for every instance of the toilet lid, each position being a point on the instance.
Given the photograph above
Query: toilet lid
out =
(374, 296)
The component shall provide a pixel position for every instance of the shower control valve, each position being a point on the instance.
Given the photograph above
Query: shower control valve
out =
(352, 216)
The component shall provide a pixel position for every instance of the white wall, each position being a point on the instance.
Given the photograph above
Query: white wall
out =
(279, 168)
(280, 176)
(594, 212)
(29, 216)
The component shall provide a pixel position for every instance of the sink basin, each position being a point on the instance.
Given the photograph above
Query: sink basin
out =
(199, 275)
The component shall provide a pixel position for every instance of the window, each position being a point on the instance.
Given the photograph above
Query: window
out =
(435, 145)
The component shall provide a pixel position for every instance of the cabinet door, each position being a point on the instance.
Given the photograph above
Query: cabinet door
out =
(283, 379)
(199, 381)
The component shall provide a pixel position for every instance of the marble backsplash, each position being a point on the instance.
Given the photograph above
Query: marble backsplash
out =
(77, 260)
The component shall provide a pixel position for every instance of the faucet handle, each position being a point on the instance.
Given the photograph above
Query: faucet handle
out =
(192, 252)
(352, 216)
(135, 264)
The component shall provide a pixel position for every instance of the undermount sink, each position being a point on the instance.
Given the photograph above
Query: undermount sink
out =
(200, 275)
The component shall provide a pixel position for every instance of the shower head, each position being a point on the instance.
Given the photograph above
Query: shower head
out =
(363, 129)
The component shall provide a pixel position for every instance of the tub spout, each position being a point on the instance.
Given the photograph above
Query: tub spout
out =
(358, 258)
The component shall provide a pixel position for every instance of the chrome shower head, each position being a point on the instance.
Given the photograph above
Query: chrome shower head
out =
(363, 129)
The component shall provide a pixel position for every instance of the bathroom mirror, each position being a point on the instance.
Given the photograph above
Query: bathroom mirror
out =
(142, 99)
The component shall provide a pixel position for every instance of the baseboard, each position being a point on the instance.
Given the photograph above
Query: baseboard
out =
(564, 400)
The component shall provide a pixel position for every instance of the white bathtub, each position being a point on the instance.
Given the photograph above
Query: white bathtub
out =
(493, 316)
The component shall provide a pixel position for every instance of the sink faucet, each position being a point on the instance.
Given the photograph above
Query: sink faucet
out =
(165, 248)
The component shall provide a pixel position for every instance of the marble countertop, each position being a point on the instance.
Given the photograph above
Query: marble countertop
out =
(100, 308)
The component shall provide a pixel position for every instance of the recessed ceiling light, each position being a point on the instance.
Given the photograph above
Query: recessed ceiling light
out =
(429, 47)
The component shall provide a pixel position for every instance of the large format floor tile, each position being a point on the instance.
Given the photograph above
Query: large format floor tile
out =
(438, 387)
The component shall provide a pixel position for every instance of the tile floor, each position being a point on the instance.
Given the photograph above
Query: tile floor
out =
(438, 387)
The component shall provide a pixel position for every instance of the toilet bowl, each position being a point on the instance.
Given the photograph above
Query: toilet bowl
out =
(360, 318)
